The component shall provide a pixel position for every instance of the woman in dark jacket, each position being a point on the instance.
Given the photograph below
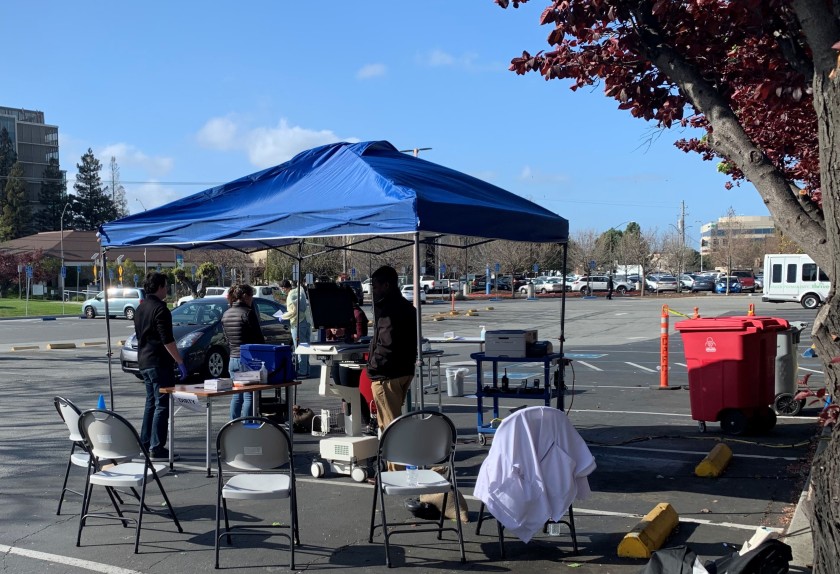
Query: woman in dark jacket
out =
(242, 327)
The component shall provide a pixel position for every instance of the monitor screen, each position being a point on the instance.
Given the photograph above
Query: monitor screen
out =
(332, 306)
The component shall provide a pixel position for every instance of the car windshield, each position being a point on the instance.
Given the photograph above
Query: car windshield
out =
(199, 312)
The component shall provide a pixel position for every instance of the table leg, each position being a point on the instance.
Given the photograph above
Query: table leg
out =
(209, 408)
(171, 431)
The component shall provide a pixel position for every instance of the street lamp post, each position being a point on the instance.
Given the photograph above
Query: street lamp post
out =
(701, 244)
(62, 273)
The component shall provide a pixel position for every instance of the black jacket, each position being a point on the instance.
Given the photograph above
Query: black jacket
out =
(153, 325)
(242, 327)
(393, 348)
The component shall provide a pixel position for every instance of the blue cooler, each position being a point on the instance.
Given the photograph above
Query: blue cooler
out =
(277, 358)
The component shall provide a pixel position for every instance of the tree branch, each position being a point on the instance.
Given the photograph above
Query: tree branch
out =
(819, 24)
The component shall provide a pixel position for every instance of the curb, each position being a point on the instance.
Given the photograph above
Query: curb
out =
(715, 462)
(61, 345)
(649, 534)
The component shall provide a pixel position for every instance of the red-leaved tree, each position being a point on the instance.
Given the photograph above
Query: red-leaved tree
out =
(761, 79)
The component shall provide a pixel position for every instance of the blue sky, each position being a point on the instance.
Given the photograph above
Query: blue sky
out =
(191, 94)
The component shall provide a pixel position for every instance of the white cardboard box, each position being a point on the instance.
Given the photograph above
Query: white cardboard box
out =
(508, 342)
(218, 384)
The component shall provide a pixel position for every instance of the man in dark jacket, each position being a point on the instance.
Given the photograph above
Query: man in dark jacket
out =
(157, 354)
(393, 348)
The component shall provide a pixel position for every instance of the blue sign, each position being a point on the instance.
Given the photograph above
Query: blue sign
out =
(353, 272)
(442, 268)
(592, 264)
(179, 260)
(536, 267)
(78, 269)
(29, 271)
(498, 267)
(64, 272)
(111, 274)
(136, 279)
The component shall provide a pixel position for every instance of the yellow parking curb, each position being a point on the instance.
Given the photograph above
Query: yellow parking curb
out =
(61, 345)
(25, 348)
(92, 343)
(489, 308)
(649, 534)
(715, 462)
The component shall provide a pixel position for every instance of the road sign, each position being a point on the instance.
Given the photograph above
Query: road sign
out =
(353, 272)
(78, 269)
(592, 264)
(20, 268)
(111, 274)
(443, 268)
(29, 271)
(179, 260)
(498, 267)
(536, 267)
(136, 279)
(120, 271)
(64, 272)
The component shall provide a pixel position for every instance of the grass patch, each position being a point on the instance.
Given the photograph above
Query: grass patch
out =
(14, 307)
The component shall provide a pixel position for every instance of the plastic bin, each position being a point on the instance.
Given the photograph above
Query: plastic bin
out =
(731, 370)
(455, 381)
(787, 366)
(277, 359)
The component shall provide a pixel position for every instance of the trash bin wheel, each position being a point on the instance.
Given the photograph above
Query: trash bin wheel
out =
(785, 404)
(482, 439)
(701, 426)
(733, 422)
(764, 420)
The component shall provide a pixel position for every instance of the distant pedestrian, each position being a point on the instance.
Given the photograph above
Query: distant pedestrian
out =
(609, 287)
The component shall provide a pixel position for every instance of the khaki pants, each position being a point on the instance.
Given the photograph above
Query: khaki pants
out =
(389, 396)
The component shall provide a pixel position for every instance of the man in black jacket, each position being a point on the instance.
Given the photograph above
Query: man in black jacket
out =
(157, 354)
(393, 348)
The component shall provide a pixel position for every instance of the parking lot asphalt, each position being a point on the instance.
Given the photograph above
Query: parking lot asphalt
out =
(645, 444)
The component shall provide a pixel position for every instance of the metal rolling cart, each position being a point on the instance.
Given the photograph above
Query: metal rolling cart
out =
(550, 387)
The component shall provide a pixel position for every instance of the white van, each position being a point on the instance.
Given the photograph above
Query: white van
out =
(794, 277)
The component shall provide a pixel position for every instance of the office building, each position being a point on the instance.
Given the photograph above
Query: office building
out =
(35, 143)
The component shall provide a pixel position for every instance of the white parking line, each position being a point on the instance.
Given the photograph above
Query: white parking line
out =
(682, 365)
(585, 364)
(640, 367)
(811, 370)
(75, 562)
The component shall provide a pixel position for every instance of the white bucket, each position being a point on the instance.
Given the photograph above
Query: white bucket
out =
(455, 381)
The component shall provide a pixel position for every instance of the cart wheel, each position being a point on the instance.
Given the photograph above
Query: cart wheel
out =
(701, 426)
(786, 405)
(317, 469)
(734, 422)
(359, 474)
(482, 439)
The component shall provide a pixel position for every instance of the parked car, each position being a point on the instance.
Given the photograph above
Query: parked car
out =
(479, 284)
(658, 282)
(747, 280)
(121, 301)
(197, 326)
(687, 281)
(703, 283)
(408, 292)
(586, 285)
(208, 292)
(427, 282)
(357, 288)
(366, 287)
(550, 285)
(734, 284)
(759, 282)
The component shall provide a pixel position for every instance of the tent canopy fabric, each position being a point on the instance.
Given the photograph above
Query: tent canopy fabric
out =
(340, 189)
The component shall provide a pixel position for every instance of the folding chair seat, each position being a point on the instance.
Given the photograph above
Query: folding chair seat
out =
(422, 439)
(69, 413)
(537, 466)
(108, 437)
(259, 448)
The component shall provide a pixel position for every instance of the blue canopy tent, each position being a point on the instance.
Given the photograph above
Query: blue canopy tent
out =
(341, 189)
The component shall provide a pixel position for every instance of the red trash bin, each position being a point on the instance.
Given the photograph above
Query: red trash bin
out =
(731, 370)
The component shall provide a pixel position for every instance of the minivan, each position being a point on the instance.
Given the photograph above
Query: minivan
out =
(121, 301)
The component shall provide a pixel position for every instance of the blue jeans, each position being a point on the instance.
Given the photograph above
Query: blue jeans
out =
(241, 404)
(305, 332)
(156, 414)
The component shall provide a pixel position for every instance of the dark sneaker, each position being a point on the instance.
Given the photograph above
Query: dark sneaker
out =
(161, 455)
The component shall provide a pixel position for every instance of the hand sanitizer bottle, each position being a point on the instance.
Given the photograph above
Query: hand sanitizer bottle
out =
(483, 333)
(263, 374)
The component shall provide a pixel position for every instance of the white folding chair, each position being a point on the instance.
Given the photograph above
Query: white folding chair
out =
(259, 448)
(69, 413)
(419, 438)
(108, 436)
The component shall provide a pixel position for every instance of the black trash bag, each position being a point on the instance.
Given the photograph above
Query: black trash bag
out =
(769, 557)
(676, 560)
(422, 510)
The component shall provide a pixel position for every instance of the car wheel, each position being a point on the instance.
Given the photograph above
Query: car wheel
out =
(621, 290)
(586, 291)
(543, 291)
(810, 301)
(90, 312)
(129, 313)
(216, 363)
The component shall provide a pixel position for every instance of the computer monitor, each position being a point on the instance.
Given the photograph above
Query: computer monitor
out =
(332, 306)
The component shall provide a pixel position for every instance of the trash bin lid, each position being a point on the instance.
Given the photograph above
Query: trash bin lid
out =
(740, 323)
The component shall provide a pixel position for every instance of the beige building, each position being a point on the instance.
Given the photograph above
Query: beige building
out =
(715, 235)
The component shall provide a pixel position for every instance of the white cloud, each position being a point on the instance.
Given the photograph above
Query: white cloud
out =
(371, 71)
(534, 176)
(129, 156)
(218, 133)
(438, 58)
(150, 195)
(265, 146)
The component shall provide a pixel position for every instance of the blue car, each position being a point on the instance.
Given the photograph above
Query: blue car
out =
(734, 285)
